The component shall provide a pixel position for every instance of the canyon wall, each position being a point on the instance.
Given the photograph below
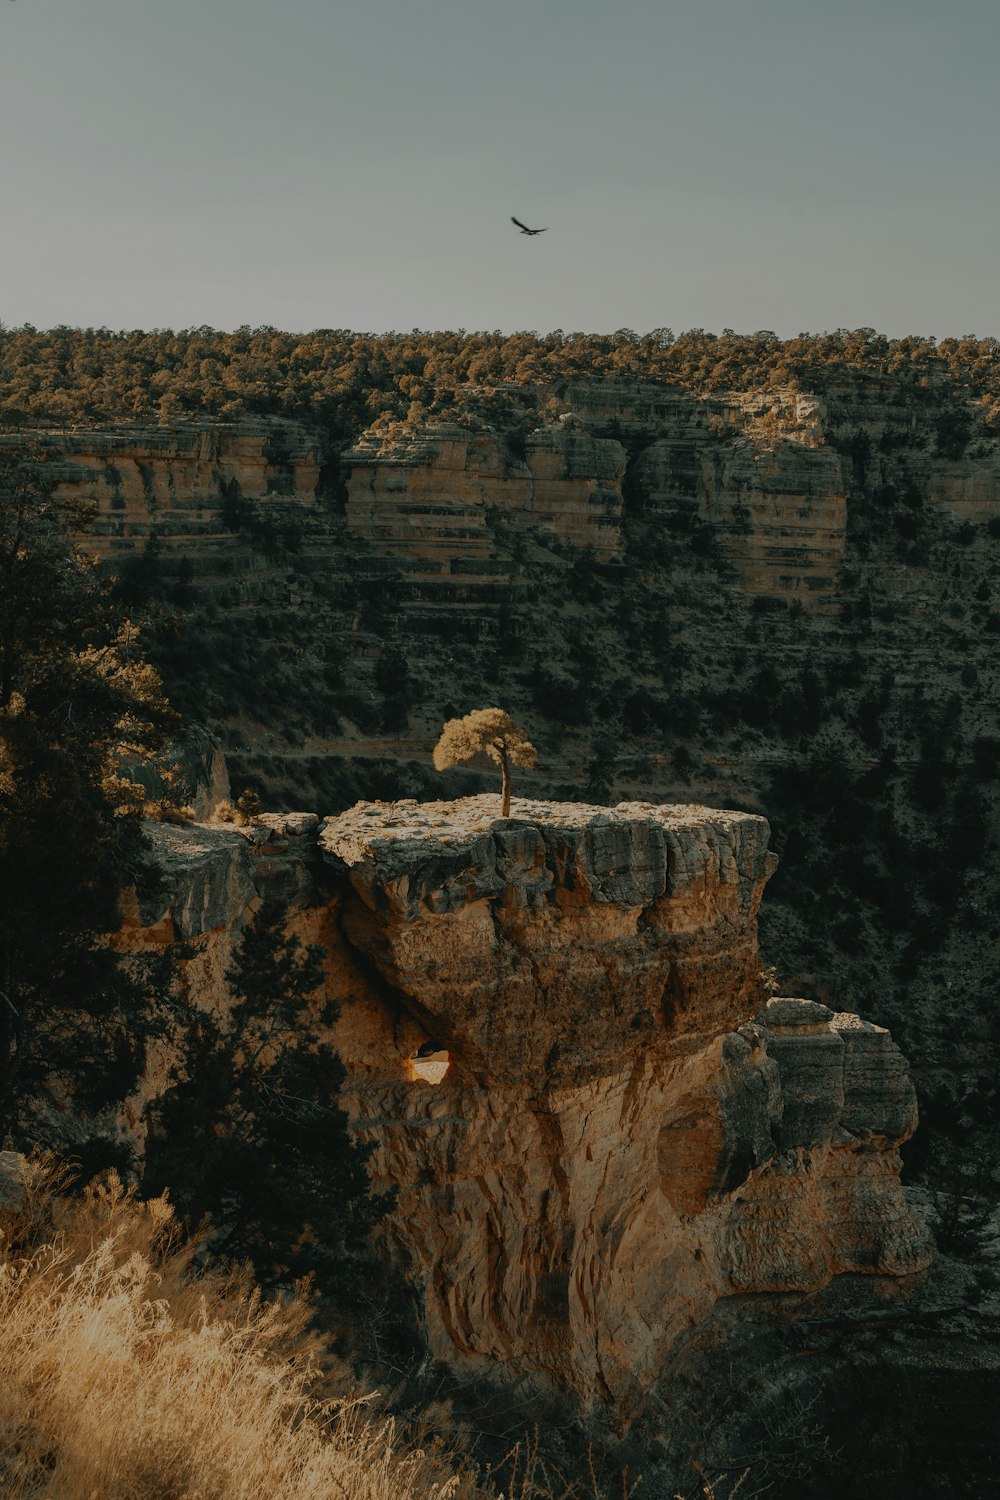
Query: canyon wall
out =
(429, 496)
(782, 600)
(171, 483)
(558, 1044)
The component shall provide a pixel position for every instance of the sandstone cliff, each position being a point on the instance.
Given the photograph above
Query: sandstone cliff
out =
(428, 496)
(620, 1131)
(170, 482)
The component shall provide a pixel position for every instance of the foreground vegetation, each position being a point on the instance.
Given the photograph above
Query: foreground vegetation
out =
(128, 1371)
(125, 1373)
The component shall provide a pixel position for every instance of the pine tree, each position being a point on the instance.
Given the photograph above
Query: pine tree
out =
(491, 732)
(76, 697)
(250, 1133)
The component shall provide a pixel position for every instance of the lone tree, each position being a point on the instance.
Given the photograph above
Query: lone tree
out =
(486, 731)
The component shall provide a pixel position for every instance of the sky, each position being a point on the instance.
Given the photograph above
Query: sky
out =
(796, 165)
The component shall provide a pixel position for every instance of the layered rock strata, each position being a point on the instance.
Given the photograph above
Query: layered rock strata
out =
(172, 481)
(616, 1144)
(429, 495)
(771, 470)
(619, 1132)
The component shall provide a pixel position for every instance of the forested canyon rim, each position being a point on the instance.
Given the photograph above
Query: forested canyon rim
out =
(746, 596)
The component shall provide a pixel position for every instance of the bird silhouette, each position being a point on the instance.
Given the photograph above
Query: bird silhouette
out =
(524, 228)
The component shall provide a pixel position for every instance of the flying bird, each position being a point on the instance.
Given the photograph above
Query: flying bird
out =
(524, 228)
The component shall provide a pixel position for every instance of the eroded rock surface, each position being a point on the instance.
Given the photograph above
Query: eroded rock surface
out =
(620, 1130)
(542, 947)
(624, 1135)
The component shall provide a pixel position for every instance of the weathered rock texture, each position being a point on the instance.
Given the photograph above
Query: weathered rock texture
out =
(430, 496)
(170, 481)
(623, 1134)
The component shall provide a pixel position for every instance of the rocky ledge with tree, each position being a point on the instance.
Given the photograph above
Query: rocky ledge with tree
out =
(489, 732)
(624, 1130)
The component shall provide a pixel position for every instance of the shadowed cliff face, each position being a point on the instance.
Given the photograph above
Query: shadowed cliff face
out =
(626, 1130)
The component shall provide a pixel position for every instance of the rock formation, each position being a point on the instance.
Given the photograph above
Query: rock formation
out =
(621, 1131)
(171, 481)
(428, 496)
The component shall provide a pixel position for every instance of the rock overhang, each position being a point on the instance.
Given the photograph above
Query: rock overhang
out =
(542, 947)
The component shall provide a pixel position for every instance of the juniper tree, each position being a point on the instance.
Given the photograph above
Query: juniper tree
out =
(486, 731)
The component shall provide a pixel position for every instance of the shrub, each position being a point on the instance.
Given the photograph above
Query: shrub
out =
(248, 806)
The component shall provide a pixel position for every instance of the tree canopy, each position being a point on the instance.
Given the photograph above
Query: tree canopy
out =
(486, 731)
(250, 1133)
(76, 698)
(341, 380)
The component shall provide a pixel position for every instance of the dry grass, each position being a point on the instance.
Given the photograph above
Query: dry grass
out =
(126, 1373)
(125, 1376)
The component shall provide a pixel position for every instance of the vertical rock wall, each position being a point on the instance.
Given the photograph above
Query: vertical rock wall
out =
(623, 1134)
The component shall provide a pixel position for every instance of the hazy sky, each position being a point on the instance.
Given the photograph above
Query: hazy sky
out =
(785, 164)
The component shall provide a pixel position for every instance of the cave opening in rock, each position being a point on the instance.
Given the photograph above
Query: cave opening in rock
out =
(429, 1063)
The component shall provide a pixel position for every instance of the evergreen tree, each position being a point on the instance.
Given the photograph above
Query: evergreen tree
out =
(250, 1133)
(486, 731)
(75, 698)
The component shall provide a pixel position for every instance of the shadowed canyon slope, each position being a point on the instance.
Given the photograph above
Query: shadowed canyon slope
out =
(626, 1130)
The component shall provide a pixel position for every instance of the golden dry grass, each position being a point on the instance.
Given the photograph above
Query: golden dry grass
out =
(124, 1376)
(126, 1373)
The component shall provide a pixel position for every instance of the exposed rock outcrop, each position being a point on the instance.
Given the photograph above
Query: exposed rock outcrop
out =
(542, 945)
(428, 496)
(172, 481)
(622, 1135)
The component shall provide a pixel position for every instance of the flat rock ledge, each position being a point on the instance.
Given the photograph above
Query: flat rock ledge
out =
(541, 947)
(442, 854)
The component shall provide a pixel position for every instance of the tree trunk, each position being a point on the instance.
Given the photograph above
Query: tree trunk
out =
(505, 773)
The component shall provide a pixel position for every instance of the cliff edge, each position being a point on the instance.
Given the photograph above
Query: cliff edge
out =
(624, 1133)
(556, 1039)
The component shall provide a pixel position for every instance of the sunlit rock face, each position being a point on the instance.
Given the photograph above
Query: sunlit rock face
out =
(432, 496)
(625, 1131)
(542, 947)
(172, 482)
(557, 1043)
